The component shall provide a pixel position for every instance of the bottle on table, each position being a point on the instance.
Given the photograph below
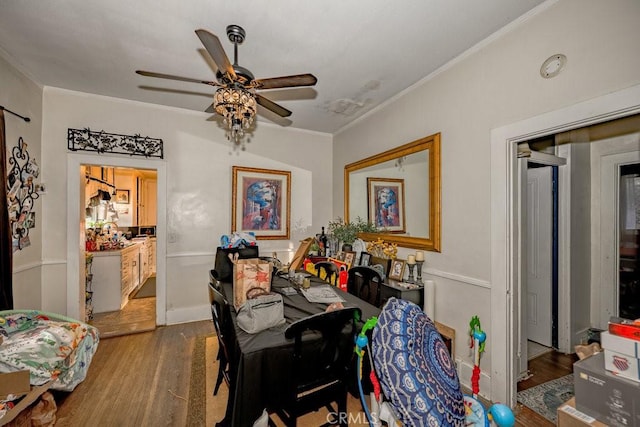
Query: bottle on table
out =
(323, 243)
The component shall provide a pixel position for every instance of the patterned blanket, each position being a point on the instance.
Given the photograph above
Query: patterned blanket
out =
(50, 346)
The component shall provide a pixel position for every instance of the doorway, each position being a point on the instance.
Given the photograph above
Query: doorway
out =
(119, 233)
(629, 264)
(506, 257)
(75, 239)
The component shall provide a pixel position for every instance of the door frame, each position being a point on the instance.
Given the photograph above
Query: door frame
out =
(605, 269)
(505, 222)
(75, 247)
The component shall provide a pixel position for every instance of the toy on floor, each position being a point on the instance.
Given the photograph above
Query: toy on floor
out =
(381, 410)
(402, 325)
(476, 415)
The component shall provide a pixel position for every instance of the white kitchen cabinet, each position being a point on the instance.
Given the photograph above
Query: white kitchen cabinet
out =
(116, 274)
(147, 257)
(152, 256)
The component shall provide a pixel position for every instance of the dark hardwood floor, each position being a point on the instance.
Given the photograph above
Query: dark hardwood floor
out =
(546, 367)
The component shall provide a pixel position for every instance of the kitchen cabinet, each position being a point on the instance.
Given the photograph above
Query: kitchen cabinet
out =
(152, 256)
(147, 201)
(116, 273)
(147, 257)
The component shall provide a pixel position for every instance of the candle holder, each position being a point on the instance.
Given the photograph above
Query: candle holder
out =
(410, 278)
(419, 279)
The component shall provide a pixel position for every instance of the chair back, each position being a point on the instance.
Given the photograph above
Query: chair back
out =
(220, 313)
(213, 280)
(365, 283)
(327, 271)
(327, 359)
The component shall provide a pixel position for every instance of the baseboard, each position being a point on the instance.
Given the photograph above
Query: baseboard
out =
(191, 314)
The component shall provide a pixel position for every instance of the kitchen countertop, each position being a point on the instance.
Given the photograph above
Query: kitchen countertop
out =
(114, 252)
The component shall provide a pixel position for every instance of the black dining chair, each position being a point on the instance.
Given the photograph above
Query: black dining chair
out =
(220, 313)
(327, 271)
(365, 283)
(320, 367)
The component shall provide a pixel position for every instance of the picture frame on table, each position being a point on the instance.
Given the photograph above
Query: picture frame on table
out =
(365, 258)
(396, 271)
(349, 258)
(386, 204)
(122, 197)
(261, 202)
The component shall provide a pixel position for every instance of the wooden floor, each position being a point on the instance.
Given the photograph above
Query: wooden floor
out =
(139, 315)
(546, 367)
(136, 380)
(143, 380)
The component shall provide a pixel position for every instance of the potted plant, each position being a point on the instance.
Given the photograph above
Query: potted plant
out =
(347, 232)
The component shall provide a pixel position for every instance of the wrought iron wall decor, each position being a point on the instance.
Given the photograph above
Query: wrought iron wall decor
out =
(103, 142)
(21, 194)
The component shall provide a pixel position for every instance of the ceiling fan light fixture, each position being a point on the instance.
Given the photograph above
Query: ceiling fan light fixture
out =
(238, 108)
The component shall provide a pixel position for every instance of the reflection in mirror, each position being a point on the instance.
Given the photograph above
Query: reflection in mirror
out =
(411, 174)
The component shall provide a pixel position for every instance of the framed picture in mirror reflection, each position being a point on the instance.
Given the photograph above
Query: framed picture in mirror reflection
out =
(261, 202)
(386, 203)
(365, 258)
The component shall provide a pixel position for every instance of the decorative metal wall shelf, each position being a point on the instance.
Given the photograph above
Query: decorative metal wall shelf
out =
(21, 194)
(103, 142)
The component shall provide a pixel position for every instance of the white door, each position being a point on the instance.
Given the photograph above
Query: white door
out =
(538, 241)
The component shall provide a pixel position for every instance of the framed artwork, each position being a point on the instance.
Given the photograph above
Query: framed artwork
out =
(385, 263)
(122, 196)
(365, 258)
(349, 258)
(386, 203)
(261, 202)
(396, 271)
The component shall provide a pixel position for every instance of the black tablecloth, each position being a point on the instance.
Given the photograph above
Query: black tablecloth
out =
(262, 360)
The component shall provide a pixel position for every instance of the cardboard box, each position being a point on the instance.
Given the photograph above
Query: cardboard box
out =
(621, 355)
(569, 416)
(620, 344)
(622, 364)
(605, 396)
(15, 383)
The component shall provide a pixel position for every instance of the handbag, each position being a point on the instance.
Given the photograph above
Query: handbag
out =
(223, 265)
(248, 274)
(261, 310)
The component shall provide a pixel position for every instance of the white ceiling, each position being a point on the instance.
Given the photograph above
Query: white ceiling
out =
(362, 52)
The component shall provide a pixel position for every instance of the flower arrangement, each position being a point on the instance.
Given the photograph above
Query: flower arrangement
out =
(381, 249)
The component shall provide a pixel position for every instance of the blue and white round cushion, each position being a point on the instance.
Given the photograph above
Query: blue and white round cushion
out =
(414, 367)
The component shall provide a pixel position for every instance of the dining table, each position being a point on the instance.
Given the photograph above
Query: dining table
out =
(259, 362)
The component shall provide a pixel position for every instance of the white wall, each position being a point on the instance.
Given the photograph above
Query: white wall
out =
(497, 84)
(198, 160)
(21, 95)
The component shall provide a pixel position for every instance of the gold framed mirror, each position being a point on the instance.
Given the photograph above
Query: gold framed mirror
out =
(415, 170)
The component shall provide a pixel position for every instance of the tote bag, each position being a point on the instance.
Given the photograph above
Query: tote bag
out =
(224, 267)
(248, 274)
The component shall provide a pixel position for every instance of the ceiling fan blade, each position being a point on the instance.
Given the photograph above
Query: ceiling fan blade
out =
(270, 105)
(172, 77)
(212, 43)
(285, 81)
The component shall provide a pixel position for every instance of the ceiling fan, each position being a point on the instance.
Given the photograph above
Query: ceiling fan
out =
(236, 97)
